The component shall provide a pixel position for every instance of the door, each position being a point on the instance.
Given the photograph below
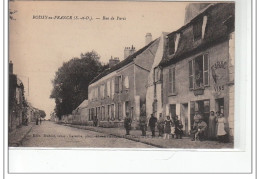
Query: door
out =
(172, 110)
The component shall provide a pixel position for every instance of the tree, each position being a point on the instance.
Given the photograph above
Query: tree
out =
(70, 85)
(42, 113)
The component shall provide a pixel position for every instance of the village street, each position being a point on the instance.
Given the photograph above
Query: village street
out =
(50, 134)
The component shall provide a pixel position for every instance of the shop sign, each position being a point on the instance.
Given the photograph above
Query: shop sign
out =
(219, 75)
(219, 72)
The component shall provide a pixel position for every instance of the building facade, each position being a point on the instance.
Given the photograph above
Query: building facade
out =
(198, 67)
(122, 88)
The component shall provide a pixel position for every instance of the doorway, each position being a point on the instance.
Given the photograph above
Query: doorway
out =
(220, 105)
(172, 110)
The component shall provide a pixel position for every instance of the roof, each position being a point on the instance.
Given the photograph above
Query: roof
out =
(216, 32)
(123, 63)
(83, 104)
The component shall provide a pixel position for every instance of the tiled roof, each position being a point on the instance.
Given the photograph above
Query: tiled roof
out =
(126, 61)
(216, 31)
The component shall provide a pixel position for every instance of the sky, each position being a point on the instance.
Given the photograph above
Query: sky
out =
(38, 47)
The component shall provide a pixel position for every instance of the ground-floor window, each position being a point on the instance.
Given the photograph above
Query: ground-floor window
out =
(112, 111)
(103, 113)
(108, 112)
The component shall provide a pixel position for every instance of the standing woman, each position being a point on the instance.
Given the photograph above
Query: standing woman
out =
(221, 133)
(167, 129)
(212, 126)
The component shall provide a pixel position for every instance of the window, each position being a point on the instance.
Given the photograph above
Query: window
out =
(112, 87)
(108, 112)
(117, 84)
(112, 111)
(197, 30)
(103, 113)
(157, 74)
(171, 45)
(199, 72)
(108, 88)
(172, 88)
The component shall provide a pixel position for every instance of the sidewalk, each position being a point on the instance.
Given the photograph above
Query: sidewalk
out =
(15, 137)
(135, 135)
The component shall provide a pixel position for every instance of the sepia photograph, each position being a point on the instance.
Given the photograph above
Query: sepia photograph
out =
(95, 74)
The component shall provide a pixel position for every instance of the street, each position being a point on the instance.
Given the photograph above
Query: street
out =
(49, 134)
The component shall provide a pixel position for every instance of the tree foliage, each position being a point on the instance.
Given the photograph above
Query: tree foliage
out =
(70, 85)
(42, 113)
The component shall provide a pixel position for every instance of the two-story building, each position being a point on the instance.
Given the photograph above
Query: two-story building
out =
(197, 70)
(122, 88)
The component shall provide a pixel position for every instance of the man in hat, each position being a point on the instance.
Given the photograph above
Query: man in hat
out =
(152, 123)
(127, 123)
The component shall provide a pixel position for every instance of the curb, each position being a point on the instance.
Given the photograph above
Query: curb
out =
(116, 135)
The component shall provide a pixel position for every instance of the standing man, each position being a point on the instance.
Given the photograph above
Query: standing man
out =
(152, 123)
(143, 125)
(127, 124)
(160, 125)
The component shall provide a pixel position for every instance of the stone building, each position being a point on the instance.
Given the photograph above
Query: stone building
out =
(122, 88)
(198, 67)
(17, 113)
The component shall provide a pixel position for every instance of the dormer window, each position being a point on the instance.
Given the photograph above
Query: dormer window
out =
(173, 43)
(199, 28)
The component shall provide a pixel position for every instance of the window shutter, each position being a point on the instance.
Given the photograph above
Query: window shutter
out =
(126, 82)
(206, 69)
(170, 81)
(191, 74)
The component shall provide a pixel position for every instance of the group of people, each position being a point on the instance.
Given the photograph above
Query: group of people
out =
(216, 129)
(165, 127)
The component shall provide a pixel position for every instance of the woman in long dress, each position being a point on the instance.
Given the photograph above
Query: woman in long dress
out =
(221, 133)
(167, 127)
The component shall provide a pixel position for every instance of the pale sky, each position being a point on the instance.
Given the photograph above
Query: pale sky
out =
(38, 47)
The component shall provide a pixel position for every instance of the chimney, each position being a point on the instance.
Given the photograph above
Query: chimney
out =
(148, 38)
(113, 61)
(11, 67)
(129, 51)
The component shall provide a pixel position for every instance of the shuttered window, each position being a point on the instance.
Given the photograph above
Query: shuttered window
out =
(199, 72)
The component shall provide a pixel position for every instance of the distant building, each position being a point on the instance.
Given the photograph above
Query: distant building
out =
(198, 67)
(122, 88)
